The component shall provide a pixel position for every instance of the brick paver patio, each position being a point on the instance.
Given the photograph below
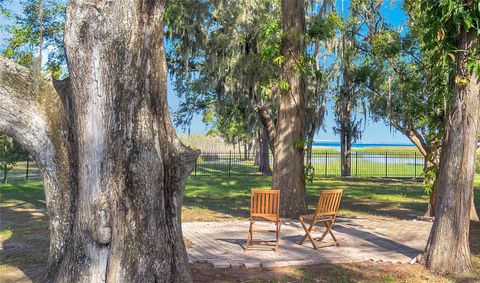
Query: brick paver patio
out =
(222, 243)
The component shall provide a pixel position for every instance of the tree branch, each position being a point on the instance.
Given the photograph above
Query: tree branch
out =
(38, 122)
(269, 125)
(413, 135)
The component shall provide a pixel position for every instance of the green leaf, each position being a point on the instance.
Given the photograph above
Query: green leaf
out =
(470, 66)
(468, 22)
(452, 56)
(284, 85)
(279, 60)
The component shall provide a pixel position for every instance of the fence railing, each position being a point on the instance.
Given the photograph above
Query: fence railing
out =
(325, 164)
(22, 170)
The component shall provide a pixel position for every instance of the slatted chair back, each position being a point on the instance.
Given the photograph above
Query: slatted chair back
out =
(329, 202)
(265, 203)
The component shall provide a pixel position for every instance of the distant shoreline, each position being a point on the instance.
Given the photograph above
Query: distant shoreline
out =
(317, 144)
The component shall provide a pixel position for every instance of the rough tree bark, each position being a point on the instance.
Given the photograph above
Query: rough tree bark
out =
(40, 123)
(113, 168)
(289, 149)
(432, 160)
(269, 125)
(256, 148)
(431, 155)
(5, 177)
(346, 150)
(264, 156)
(245, 151)
(310, 135)
(433, 199)
(448, 248)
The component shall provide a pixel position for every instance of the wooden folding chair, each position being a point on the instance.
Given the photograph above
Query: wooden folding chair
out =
(264, 206)
(326, 212)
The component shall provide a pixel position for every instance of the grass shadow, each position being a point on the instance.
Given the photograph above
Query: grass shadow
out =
(24, 232)
(402, 199)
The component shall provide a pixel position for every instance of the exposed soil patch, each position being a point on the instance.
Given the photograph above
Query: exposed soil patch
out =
(24, 244)
(363, 272)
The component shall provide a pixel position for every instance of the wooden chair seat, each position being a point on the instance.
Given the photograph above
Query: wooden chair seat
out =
(264, 207)
(326, 213)
(319, 218)
(268, 218)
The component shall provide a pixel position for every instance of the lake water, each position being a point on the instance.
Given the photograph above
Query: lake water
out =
(374, 158)
(335, 144)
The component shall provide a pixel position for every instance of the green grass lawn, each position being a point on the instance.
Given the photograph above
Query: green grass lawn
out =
(221, 198)
(26, 194)
(217, 198)
(19, 172)
(210, 198)
(24, 220)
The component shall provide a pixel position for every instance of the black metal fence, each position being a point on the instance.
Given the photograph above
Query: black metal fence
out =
(22, 170)
(325, 164)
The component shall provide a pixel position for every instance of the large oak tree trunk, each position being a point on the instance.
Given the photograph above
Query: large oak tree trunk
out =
(309, 149)
(39, 121)
(264, 156)
(432, 202)
(434, 199)
(289, 138)
(5, 177)
(269, 125)
(346, 151)
(432, 161)
(256, 148)
(448, 245)
(113, 168)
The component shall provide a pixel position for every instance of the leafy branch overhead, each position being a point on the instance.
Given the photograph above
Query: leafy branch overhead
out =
(444, 20)
(23, 34)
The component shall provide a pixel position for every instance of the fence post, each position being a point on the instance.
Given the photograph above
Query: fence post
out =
(386, 164)
(229, 164)
(28, 165)
(356, 163)
(196, 160)
(415, 165)
(326, 163)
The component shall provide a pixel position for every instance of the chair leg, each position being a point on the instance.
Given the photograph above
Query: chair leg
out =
(323, 235)
(307, 234)
(251, 241)
(278, 235)
(330, 230)
(250, 235)
(304, 236)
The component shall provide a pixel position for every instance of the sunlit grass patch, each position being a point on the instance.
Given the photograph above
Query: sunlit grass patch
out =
(389, 149)
(220, 198)
(5, 234)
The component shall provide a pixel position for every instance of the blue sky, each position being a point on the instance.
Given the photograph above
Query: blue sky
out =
(373, 133)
